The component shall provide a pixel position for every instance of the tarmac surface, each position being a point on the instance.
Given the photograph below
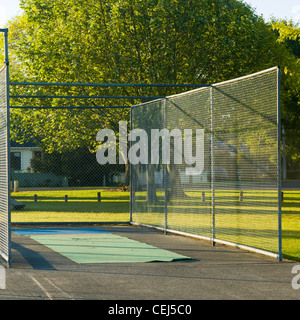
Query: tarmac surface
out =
(214, 273)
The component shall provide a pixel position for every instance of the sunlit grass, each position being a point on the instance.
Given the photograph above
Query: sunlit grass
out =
(81, 206)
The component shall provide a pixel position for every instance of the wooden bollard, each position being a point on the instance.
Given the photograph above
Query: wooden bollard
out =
(16, 186)
(66, 198)
(99, 196)
(35, 198)
(203, 196)
(241, 195)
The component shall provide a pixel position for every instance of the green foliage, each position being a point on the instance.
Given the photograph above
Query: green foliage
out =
(133, 41)
(154, 41)
(288, 35)
(286, 31)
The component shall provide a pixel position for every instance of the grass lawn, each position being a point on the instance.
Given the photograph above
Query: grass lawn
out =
(291, 225)
(82, 206)
(235, 220)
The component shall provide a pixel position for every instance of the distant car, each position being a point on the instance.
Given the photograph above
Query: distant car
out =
(220, 174)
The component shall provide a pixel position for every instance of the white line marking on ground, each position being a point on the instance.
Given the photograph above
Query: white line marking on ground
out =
(59, 289)
(43, 289)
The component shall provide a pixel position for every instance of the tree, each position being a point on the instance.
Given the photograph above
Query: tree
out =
(127, 41)
(288, 34)
(132, 41)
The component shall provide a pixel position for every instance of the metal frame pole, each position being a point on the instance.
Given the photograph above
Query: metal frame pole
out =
(143, 85)
(212, 166)
(6, 62)
(165, 174)
(131, 174)
(280, 256)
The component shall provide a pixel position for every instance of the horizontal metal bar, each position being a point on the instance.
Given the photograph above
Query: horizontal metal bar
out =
(103, 84)
(70, 107)
(188, 92)
(4, 30)
(247, 248)
(245, 77)
(83, 97)
(145, 103)
(172, 231)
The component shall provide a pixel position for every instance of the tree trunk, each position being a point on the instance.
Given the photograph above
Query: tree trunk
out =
(175, 183)
(151, 188)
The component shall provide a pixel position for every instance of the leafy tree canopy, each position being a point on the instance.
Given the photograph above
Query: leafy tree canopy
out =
(135, 41)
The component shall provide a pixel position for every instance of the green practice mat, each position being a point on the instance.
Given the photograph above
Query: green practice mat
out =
(105, 248)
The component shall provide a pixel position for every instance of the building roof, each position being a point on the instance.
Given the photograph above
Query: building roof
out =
(14, 144)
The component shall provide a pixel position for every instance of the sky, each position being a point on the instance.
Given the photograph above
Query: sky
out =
(280, 9)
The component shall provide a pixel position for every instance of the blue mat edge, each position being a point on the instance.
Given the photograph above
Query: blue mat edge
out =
(58, 231)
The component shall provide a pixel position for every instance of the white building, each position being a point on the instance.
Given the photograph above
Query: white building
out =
(21, 155)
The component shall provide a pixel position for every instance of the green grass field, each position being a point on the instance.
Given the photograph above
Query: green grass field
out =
(82, 206)
(252, 221)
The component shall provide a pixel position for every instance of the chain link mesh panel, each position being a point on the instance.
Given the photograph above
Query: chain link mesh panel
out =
(233, 197)
(4, 179)
(53, 154)
(64, 183)
(246, 161)
(148, 184)
(189, 195)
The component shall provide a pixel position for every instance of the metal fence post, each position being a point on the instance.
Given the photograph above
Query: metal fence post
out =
(165, 174)
(130, 176)
(279, 166)
(212, 166)
(8, 146)
(6, 150)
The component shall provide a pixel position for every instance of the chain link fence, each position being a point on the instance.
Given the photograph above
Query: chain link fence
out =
(65, 184)
(221, 181)
(225, 185)
(55, 176)
(4, 169)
